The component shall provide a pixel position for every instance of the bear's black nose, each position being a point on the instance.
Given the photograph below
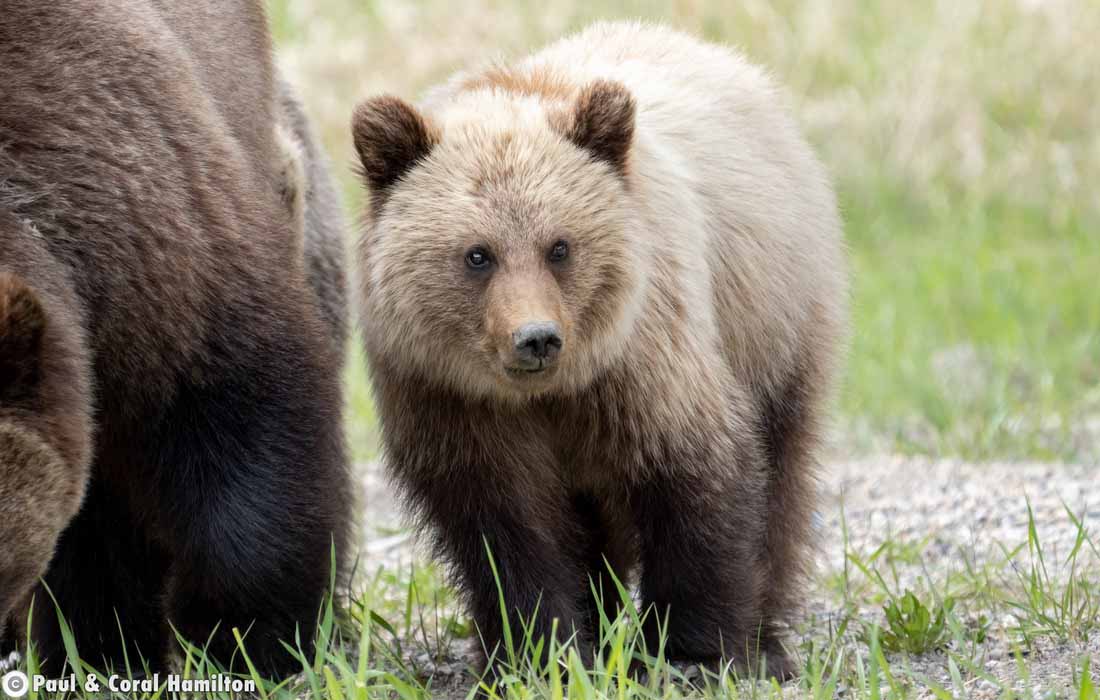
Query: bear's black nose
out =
(537, 345)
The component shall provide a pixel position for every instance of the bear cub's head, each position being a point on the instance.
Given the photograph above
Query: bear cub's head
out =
(502, 256)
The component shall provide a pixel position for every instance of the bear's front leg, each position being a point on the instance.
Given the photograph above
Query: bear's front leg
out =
(701, 517)
(522, 524)
(486, 480)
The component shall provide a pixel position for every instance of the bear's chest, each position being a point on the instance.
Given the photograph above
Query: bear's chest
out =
(599, 444)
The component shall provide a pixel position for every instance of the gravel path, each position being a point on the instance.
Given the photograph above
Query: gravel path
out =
(941, 513)
(958, 504)
(962, 513)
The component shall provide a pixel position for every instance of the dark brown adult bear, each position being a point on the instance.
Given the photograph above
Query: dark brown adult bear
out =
(152, 278)
(603, 296)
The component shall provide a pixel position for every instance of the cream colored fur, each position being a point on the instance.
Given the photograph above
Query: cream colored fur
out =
(728, 213)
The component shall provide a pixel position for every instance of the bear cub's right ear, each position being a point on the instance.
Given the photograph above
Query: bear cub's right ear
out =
(22, 325)
(390, 137)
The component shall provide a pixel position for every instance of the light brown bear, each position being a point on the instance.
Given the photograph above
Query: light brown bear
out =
(604, 295)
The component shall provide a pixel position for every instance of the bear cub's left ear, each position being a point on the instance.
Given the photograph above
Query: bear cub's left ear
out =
(390, 137)
(603, 123)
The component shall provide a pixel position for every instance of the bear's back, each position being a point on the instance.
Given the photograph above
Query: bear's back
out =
(136, 137)
(239, 82)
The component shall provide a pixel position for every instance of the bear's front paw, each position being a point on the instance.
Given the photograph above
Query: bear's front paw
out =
(778, 664)
(771, 663)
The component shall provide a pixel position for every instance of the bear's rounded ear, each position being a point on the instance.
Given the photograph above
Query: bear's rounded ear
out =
(390, 137)
(22, 325)
(603, 123)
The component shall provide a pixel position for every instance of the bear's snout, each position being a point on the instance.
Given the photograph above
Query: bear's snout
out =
(535, 346)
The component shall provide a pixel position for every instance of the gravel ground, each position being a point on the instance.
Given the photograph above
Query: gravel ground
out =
(942, 512)
(961, 512)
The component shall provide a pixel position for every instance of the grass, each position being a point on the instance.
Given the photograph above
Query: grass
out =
(397, 635)
(965, 143)
(1066, 608)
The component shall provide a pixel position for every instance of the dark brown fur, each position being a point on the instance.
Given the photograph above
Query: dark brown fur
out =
(140, 196)
(393, 139)
(603, 123)
(556, 488)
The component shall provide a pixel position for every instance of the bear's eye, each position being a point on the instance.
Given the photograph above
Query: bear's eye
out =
(559, 252)
(477, 258)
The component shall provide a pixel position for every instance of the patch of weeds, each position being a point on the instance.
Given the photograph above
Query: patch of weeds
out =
(1063, 603)
(913, 628)
(872, 674)
(829, 663)
(851, 588)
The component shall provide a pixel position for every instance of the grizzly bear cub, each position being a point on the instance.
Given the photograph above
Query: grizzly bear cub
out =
(603, 296)
(171, 336)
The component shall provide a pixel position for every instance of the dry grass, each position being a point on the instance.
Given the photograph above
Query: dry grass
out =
(995, 98)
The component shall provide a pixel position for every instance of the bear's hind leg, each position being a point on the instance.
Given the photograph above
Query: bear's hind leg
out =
(255, 556)
(254, 495)
(790, 430)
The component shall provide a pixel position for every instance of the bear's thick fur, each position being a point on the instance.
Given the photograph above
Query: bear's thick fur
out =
(45, 421)
(157, 309)
(603, 296)
(311, 196)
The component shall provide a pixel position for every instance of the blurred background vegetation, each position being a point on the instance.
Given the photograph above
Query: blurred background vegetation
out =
(964, 139)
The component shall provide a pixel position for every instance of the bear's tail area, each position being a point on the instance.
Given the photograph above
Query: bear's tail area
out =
(22, 326)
